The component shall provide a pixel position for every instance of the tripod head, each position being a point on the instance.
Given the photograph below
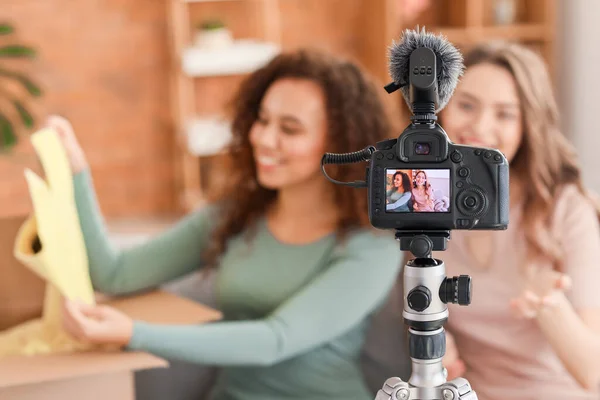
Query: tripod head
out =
(426, 287)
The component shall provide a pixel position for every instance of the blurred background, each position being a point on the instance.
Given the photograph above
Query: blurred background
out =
(146, 83)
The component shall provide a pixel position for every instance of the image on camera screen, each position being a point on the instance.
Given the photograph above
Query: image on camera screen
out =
(416, 190)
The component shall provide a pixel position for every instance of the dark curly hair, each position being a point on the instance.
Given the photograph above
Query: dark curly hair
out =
(406, 187)
(356, 118)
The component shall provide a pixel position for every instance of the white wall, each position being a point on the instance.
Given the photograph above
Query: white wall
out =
(578, 69)
(439, 180)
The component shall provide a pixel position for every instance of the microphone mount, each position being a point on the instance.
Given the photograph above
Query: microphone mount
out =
(393, 86)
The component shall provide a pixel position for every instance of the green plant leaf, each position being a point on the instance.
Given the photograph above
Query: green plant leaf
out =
(211, 24)
(7, 134)
(6, 29)
(31, 87)
(15, 50)
(26, 117)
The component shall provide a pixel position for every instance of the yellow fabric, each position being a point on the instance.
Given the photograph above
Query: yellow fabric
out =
(62, 260)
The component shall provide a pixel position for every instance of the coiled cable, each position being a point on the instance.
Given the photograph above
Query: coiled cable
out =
(347, 158)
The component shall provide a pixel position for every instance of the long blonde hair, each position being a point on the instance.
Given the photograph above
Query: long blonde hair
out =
(546, 160)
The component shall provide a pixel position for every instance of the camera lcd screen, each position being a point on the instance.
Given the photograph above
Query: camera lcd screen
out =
(415, 191)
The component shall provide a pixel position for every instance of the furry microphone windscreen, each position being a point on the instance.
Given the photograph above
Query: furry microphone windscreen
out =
(449, 62)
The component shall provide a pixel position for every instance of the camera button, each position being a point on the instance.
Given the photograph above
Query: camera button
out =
(478, 152)
(498, 157)
(377, 201)
(463, 223)
(470, 202)
(390, 156)
(419, 298)
(460, 184)
(487, 154)
(456, 156)
(377, 211)
(463, 172)
(379, 156)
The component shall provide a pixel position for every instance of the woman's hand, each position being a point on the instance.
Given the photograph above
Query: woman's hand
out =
(65, 131)
(441, 204)
(542, 288)
(451, 361)
(97, 324)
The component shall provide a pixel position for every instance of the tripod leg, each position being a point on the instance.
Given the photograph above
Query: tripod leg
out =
(396, 389)
(458, 388)
(393, 388)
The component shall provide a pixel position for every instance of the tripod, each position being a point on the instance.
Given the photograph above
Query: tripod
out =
(427, 290)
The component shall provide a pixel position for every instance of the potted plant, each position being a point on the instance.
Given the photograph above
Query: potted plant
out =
(213, 34)
(9, 128)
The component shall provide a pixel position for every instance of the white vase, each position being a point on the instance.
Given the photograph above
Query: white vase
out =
(214, 38)
(505, 12)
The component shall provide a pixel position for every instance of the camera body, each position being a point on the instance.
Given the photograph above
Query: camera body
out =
(423, 182)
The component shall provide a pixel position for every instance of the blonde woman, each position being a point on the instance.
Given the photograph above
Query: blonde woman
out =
(533, 332)
(422, 193)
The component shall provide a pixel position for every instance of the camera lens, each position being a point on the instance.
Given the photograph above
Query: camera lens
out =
(422, 149)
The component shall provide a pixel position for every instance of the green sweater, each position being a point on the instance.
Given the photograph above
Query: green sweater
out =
(295, 316)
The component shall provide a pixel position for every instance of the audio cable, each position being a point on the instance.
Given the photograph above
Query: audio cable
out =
(347, 158)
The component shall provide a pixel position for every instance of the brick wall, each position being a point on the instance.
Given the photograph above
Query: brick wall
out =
(104, 65)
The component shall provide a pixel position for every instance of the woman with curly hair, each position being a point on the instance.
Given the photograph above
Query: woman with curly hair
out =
(399, 196)
(299, 270)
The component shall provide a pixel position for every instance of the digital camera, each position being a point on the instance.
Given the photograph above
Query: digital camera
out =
(422, 181)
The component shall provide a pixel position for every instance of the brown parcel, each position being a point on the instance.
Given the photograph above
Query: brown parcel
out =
(85, 375)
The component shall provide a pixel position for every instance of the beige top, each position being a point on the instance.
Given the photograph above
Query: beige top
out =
(506, 357)
(424, 201)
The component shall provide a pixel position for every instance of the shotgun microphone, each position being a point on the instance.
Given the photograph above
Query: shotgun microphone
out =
(411, 54)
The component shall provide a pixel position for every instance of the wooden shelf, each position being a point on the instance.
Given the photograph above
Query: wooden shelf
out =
(521, 32)
(242, 57)
(454, 35)
(208, 1)
(221, 1)
(207, 136)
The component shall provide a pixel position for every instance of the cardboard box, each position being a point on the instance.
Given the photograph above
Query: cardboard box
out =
(86, 375)
(21, 291)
